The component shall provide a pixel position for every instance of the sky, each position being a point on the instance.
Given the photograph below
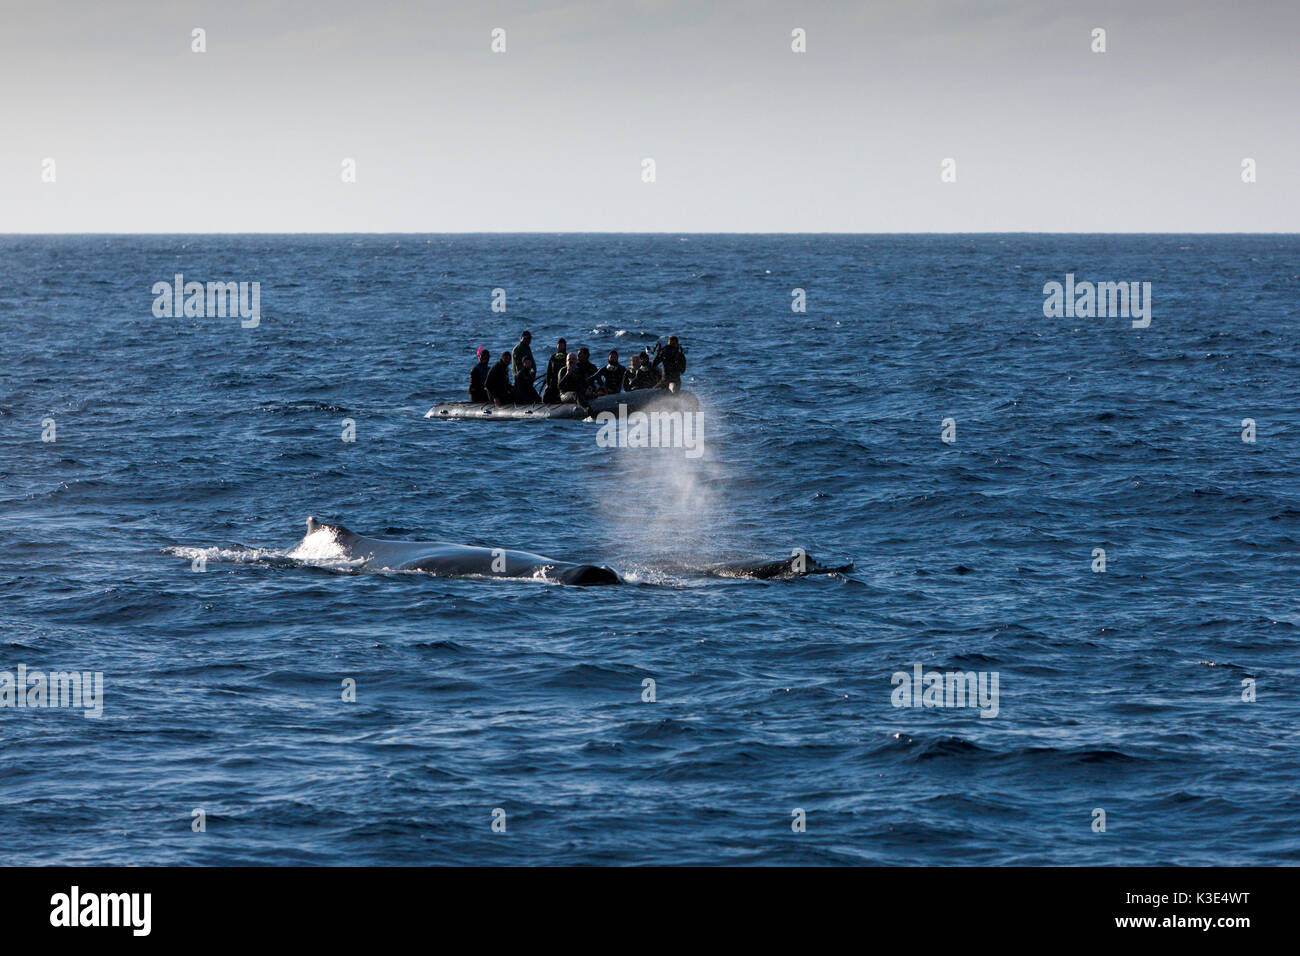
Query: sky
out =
(746, 135)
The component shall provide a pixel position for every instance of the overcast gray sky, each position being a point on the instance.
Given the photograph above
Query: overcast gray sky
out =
(747, 136)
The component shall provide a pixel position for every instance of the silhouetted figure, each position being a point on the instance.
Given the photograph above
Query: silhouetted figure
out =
(612, 376)
(478, 378)
(522, 350)
(550, 385)
(673, 360)
(525, 393)
(498, 381)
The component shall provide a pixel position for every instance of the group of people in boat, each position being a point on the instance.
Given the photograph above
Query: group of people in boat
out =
(571, 377)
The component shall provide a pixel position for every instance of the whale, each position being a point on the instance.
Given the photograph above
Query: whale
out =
(325, 540)
(329, 542)
(796, 566)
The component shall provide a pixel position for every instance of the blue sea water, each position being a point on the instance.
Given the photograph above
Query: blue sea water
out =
(181, 438)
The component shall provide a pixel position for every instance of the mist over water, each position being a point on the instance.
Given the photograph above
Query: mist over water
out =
(671, 510)
(195, 437)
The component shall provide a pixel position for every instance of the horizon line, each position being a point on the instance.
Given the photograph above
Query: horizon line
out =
(660, 232)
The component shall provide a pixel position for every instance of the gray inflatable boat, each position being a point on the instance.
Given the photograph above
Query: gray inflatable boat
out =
(642, 399)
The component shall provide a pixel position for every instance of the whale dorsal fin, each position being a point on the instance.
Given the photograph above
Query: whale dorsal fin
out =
(342, 534)
(314, 524)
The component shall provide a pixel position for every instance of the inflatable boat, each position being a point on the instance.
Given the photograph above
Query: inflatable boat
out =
(642, 399)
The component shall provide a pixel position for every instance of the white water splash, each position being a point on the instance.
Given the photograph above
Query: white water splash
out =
(321, 548)
(318, 549)
(230, 555)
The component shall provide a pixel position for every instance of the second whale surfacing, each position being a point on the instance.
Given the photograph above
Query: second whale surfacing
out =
(442, 558)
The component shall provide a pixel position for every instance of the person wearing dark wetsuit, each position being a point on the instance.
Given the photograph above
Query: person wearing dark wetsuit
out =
(586, 366)
(640, 375)
(674, 362)
(498, 384)
(573, 384)
(523, 350)
(611, 377)
(525, 393)
(550, 388)
(478, 378)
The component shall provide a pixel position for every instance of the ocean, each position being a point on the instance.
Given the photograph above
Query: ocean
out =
(1098, 520)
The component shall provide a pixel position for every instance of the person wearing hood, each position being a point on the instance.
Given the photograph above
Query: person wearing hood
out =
(585, 365)
(478, 378)
(612, 376)
(640, 375)
(498, 384)
(525, 393)
(573, 384)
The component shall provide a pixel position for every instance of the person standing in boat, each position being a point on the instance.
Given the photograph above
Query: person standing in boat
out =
(550, 385)
(478, 378)
(498, 381)
(611, 377)
(673, 359)
(525, 393)
(522, 350)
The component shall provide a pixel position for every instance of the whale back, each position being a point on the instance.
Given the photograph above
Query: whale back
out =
(325, 540)
(783, 568)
